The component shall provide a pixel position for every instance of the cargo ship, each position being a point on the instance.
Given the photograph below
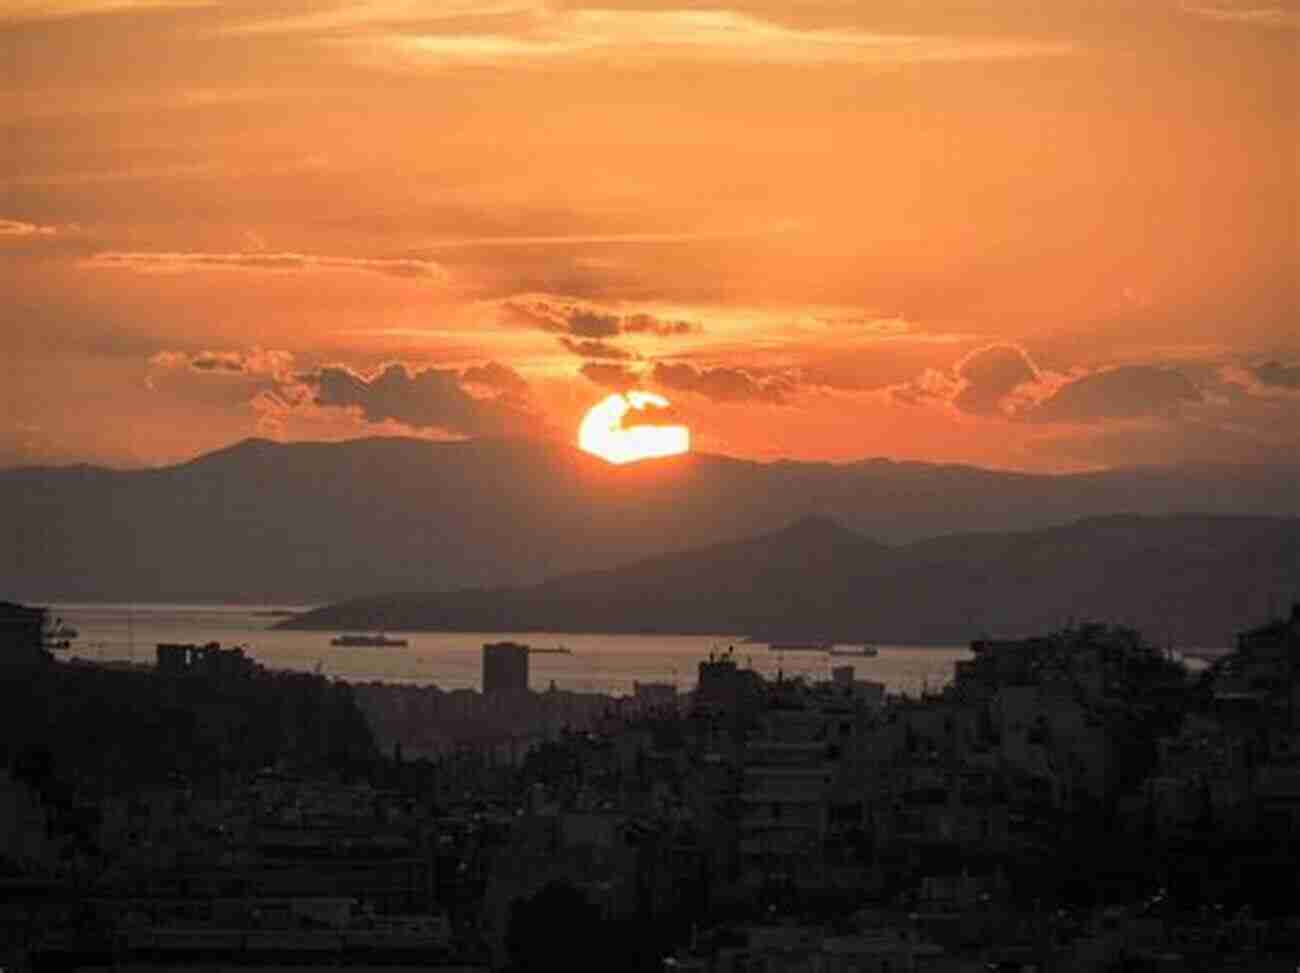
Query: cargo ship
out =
(867, 650)
(366, 640)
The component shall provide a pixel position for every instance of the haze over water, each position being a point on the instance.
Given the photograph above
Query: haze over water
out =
(451, 660)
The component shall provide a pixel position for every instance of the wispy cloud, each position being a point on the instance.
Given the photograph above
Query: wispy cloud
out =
(124, 174)
(544, 35)
(346, 17)
(723, 383)
(94, 100)
(1262, 15)
(23, 239)
(18, 10)
(586, 320)
(598, 349)
(174, 263)
(26, 231)
(584, 239)
(256, 362)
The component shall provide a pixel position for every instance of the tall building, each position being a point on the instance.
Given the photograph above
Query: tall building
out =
(505, 667)
(727, 691)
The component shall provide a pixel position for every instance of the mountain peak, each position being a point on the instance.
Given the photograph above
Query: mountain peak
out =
(818, 529)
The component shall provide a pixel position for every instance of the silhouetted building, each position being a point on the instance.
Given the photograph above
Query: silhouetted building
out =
(724, 689)
(209, 660)
(505, 667)
(21, 634)
(655, 695)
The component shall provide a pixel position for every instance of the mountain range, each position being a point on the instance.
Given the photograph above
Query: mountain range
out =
(1193, 580)
(314, 522)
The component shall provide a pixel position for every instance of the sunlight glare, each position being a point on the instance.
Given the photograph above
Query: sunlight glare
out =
(606, 432)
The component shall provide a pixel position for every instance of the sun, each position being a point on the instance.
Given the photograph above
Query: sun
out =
(612, 430)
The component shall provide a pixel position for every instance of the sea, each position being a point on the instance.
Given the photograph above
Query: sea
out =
(610, 664)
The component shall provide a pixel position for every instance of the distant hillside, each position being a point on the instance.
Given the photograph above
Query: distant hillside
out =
(262, 521)
(1190, 579)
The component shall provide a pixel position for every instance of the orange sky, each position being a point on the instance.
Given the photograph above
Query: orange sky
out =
(1037, 234)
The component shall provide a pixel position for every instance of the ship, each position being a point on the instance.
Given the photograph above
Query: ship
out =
(800, 646)
(60, 635)
(866, 650)
(366, 640)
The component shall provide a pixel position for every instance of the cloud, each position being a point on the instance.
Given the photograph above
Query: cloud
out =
(643, 323)
(1125, 392)
(722, 383)
(594, 324)
(265, 364)
(1248, 13)
(61, 9)
(1278, 375)
(21, 229)
(557, 314)
(989, 376)
(610, 376)
(1269, 380)
(934, 385)
(993, 380)
(21, 238)
(430, 398)
(857, 324)
(367, 13)
(1002, 380)
(548, 33)
(257, 361)
(583, 319)
(597, 349)
(157, 262)
(494, 375)
(583, 239)
(488, 399)
(217, 363)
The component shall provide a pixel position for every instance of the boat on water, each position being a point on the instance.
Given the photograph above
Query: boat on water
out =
(60, 635)
(366, 640)
(865, 650)
(550, 650)
(799, 646)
